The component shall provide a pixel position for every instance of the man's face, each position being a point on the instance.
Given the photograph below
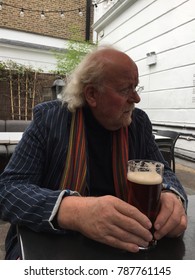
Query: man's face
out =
(115, 103)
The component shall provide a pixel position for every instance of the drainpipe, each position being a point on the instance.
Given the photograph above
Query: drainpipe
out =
(88, 20)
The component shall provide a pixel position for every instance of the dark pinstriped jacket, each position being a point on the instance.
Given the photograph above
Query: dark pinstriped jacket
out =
(29, 186)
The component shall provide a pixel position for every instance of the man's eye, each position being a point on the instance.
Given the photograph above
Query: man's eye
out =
(125, 90)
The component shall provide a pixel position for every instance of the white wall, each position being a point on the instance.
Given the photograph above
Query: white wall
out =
(29, 49)
(166, 27)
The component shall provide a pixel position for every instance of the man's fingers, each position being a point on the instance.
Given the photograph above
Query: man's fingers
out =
(133, 213)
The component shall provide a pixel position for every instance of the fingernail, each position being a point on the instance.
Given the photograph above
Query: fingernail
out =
(144, 245)
(136, 249)
(157, 236)
(149, 225)
(157, 226)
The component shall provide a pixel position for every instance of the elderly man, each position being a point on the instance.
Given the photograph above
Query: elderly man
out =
(69, 170)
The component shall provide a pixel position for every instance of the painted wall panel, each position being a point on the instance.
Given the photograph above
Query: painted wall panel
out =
(167, 28)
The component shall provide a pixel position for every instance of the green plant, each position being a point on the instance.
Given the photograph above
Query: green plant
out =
(75, 50)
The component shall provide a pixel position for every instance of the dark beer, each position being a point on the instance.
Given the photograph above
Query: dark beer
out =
(144, 189)
(144, 192)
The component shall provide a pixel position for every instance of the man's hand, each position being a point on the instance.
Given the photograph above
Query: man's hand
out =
(106, 219)
(172, 219)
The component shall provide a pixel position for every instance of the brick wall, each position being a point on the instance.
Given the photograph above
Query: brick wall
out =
(53, 24)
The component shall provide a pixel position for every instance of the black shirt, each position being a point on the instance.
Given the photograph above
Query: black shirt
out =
(99, 143)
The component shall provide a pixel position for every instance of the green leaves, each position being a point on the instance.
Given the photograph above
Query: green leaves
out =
(70, 58)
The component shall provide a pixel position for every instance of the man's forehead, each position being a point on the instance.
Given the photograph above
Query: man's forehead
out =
(126, 70)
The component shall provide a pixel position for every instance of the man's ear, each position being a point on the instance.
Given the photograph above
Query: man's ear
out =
(90, 93)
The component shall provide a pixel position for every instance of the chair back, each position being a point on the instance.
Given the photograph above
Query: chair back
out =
(169, 133)
(167, 148)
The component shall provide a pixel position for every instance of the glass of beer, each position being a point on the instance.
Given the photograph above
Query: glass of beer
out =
(144, 189)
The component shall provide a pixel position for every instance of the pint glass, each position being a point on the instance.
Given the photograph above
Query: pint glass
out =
(144, 188)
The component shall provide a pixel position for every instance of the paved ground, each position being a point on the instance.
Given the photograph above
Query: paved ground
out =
(3, 232)
(185, 172)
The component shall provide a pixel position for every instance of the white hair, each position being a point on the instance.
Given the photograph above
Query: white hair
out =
(89, 71)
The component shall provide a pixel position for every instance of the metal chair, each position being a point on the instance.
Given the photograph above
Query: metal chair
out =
(167, 148)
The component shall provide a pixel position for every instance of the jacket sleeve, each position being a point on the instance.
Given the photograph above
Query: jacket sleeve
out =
(24, 199)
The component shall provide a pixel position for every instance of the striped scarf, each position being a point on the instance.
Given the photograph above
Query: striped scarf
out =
(75, 171)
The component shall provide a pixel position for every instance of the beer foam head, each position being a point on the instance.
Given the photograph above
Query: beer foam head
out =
(146, 178)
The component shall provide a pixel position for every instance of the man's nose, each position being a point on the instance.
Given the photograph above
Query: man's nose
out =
(134, 97)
